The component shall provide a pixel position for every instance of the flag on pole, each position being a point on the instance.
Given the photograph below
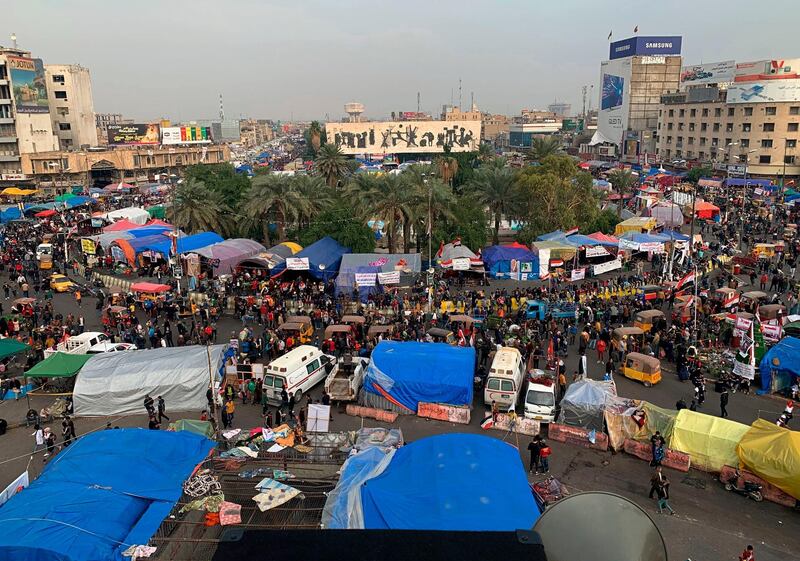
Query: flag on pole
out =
(688, 280)
(636, 29)
(609, 35)
(487, 423)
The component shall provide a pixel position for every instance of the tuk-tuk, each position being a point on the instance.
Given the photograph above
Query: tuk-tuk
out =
(440, 335)
(461, 318)
(301, 325)
(652, 292)
(764, 250)
(117, 314)
(727, 298)
(754, 296)
(354, 320)
(646, 369)
(622, 334)
(375, 330)
(331, 329)
(770, 312)
(645, 319)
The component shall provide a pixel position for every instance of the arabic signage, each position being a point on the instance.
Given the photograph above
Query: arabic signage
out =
(404, 137)
(577, 274)
(365, 279)
(760, 70)
(391, 277)
(135, 134)
(297, 263)
(596, 251)
(638, 46)
(712, 73)
(29, 84)
(767, 90)
(612, 265)
(185, 135)
(87, 246)
(461, 264)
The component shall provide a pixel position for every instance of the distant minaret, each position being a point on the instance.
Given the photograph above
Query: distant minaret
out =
(221, 109)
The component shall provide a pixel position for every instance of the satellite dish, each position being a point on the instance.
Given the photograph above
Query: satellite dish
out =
(321, 267)
(592, 517)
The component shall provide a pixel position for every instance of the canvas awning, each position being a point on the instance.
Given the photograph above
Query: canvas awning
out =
(10, 347)
(59, 365)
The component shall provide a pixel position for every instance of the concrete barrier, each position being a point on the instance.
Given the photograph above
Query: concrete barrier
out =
(377, 414)
(439, 412)
(770, 492)
(524, 426)
(577, 436)
(673, 459)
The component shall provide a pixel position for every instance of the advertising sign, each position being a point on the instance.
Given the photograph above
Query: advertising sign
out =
(712, 73)
(761, 70)
(185, 135)
(297, 263)
(670, 45)
(121, 135)
(767, 90)
(612, 119)
(405, 137)
(30, 90)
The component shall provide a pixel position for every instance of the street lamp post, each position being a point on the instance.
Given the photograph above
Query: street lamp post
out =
(744, 190)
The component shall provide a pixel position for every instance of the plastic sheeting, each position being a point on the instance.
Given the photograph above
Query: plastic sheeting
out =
(117, 383)
(772, 453)
(107, 491)
(709, 441)
(324, 257)
(230, 253)
(783, 361)
(657, 419)
(461, 482)
(584, 403)
(133, 214)
(498, 260)
(406, 373)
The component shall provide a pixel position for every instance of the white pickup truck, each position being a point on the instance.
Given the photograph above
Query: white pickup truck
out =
(344, 381)
(78, 344)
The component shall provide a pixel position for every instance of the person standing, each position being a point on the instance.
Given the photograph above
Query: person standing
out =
(230, 409)
(562, 386)
(78, 298)
(148, 405)
(534, 449)
(38, 438)
(544, 455)
(748, 554)
(66, 434)
(162, 409)
(723, 402)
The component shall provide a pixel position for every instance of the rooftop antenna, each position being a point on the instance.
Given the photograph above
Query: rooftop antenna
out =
(459, 95)
(13, 40)
(221, 109)
(417, 102)
(471, 101)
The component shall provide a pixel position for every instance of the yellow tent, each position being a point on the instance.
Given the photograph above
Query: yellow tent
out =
(772, 453)
(637, 224)
(710, 441)
(296, 248)
(17, 191)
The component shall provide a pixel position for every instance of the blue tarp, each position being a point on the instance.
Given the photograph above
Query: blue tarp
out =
(409, 372)
(107, 491)
(148, 231)
(639, 237)
(497, 260)
(355, 470)
(407, 263)
(163, 244)
(326, 252)
(750, 182)
(558, 235)
(460, 482)
(787, 355)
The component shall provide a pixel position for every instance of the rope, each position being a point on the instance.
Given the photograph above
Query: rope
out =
(50, 521)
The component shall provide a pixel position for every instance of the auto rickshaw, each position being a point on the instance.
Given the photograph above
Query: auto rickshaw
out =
(727, 298)
(652, 292)
(454, 320)
(375, 330)
(340, 328)
(646, 369)
(301, 326)
(440, 335)
(752, 298)
(623, 333)
(115, 315)
(772, 312)
(645, 319)
(354, 320)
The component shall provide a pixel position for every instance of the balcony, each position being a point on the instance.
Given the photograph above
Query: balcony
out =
(8, 157)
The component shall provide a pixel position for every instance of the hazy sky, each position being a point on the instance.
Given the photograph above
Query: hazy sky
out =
(306, 58)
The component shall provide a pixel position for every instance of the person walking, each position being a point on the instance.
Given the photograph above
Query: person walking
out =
(162, 409)
(663, 498)
(66, 434)
(78, 298)
(38, 439)
(723, 402)
(562, 386)
(657, 480)
(230, 409)
(148, 405)
(544, 455)
(534, 449)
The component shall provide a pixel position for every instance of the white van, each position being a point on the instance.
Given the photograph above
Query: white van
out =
(44, 249)
(540, 400)
(78, 344)
(504, 383)
(298, 371)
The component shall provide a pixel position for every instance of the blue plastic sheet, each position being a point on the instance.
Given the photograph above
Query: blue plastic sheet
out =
(451, 482)
(410, 372)
(324, 257)
(783, 359)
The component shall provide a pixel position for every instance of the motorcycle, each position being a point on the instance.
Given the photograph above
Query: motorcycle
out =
(752, 490)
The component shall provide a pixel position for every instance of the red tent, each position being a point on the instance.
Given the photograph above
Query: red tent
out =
(121, 226)
(149, 287)
(601, 237)
(516, 245)
(45, 213)
(705, 210)
(157, 222)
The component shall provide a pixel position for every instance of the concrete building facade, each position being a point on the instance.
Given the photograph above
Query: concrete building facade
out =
(69, 92)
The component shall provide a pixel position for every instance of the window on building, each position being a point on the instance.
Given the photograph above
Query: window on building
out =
(689, 153)
(691, 140)
(669, 140)
(718, 112)
(64, 127)
(794, 110)
(715, 128)
(680, 126)
(791, 143)
(680, 140)
(728, 141)
(770, 111)
(60, 94)
(766, 143)
(691, 126)
(730, 111)
(791, 127)
(746, 127)
(769, 127)
(62, 111)
(748, 111)
(5, 92)
(671, 112)
(702, 156)
(669, 126)
(702, 141)
(729, 127)
(5, 111)
(764, 159)
(715, 141)
(58, 78)
(744, 143)
(693, 112)
(705, 114)
(703, 127)
(660, 112)
(681, 112)
(137, 161)
(659, 126)
(789, 160)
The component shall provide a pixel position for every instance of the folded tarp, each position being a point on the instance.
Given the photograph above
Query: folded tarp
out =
(710, 441)
(772, 453)
(406, 373)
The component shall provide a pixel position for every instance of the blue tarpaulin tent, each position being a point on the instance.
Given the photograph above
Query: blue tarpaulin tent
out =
(406, 373)
(163, 244)
(408, 264)
(107, 491)
(783, 362)
(324, 257)
(507, 262)
(460, 482)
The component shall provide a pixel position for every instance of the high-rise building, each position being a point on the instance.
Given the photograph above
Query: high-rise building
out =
(69, 93)
(639, 71)
(25, 125)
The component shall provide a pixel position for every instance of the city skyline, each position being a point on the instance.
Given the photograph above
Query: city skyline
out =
(511, 55)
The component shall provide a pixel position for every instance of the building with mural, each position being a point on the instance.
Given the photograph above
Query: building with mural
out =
(405, 137)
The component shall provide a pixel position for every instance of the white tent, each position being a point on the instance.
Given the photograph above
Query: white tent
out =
(132, 214)
(117, 383)
(667, 213)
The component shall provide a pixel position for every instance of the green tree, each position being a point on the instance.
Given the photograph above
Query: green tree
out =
(332, 164)
(605, 221)
(430, 201)
(493, 186)
(542, 147)
(315, 135)
(485, 152)
(221, 179)
(622, 180)
(467, 221)
(338, 222)
(284, 201)
(694, 174)
(195, 208)
(383, 198)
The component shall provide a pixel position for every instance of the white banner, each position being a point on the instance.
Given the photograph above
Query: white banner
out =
(319, 417)
(461, 264)
(628, 244)
(544, 261)
(297, 263)
(743, 324)
(392, 277)
(607, 266)
(596, 251)
(744, 370)
(771, 332)
(18, 484)
(652, 247)
(366, 279)
(578, 274)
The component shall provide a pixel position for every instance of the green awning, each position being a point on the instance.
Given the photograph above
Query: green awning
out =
(59, 365)
(157, 211)
(10, 347)
(64, 197)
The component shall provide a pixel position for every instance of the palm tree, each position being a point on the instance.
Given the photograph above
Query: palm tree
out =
(621, 180)
(196, 208)
(493, 186)
(383, 198)
(332, 164)
(541, 147)
(316, 195)
(315, 134)
(274, 198)
(485, 152)
(430, 200)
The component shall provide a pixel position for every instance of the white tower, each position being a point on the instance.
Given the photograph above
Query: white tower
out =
(354, 111)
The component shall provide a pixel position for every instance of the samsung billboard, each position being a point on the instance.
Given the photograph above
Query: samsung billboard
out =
(637, 46)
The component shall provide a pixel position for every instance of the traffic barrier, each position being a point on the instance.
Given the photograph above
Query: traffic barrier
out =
(378, 414)
(769, 491)
(525, 426)
(673, 459)
(439, 412)
(577, 436)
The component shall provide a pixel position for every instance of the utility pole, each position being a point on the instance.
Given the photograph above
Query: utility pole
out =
(459, 95)
(417, 104)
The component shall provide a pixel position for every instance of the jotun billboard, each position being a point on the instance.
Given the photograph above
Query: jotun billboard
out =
(30, 90)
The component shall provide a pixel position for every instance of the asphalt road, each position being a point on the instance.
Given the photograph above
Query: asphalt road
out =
(710, 524)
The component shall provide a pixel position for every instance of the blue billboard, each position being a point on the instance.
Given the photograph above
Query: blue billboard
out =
(613, 91)
(666, 45)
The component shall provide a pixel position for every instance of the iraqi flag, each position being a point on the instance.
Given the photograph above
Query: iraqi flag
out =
(487, 423)
(685, 282)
